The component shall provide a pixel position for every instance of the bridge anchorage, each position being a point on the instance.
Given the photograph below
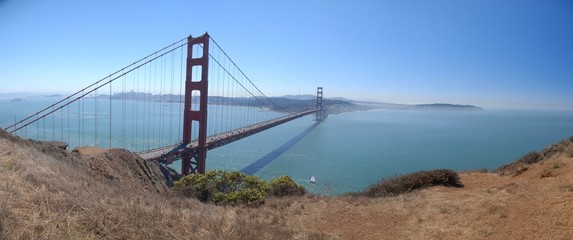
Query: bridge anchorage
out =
(166, 107)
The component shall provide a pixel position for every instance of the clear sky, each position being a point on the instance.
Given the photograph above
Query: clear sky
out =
(486, 52)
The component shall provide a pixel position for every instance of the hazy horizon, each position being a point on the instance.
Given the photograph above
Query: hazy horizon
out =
(538, 106)
(485, 53)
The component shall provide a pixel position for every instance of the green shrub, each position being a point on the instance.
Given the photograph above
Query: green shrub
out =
(193, 185)
(406, 183)
(285, 186)
(223, 187)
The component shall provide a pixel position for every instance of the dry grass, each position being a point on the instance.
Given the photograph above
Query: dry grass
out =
(522, 164)
(546, 173)
(46, 193)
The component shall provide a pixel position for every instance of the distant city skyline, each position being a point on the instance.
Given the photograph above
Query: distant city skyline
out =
(485, 53)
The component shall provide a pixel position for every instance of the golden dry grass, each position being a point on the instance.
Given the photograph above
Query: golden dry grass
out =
(46, 193)
(529, 206)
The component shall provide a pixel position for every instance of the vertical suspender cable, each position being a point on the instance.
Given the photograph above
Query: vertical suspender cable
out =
(150, 115)
(96, 118)
(123, 99)
(68, 138)
(171, 94)
(153, 116)
(161, 116)
(144, 117)
(137, 93)
(181, 79)
(53, 126)
(62, 125)
(161, 107)
(228, 95)
(37, 130)
(110, 117)
(83, 121)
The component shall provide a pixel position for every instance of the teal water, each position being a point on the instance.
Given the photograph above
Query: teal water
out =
(348, 152)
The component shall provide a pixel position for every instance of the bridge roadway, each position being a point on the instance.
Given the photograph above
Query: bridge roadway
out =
(221, 139)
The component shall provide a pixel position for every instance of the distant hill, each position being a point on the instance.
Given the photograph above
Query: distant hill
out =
(299, 97)
(28, 95)
(446, 106)
(53, 95)
(432, 106)
(342, 99)
(290, 103)
(293, 103)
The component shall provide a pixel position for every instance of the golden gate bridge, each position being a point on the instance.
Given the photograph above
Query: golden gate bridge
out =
(174, 104)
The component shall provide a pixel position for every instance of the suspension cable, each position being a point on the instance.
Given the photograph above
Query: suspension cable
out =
(241, 71)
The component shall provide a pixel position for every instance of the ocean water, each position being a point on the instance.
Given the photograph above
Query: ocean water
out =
(347, 152)
(350, 151)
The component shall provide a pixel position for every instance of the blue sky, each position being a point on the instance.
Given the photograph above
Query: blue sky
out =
(488, 53)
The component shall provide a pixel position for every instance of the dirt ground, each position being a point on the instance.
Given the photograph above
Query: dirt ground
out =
(538, 204)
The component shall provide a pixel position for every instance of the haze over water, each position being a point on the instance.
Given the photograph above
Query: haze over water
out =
(349, 151)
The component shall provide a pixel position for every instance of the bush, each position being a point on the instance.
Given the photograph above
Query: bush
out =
(406, 183)
(519, 166)
(285, 186)
(222, 187)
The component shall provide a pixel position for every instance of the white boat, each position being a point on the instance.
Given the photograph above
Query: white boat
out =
(312, 179)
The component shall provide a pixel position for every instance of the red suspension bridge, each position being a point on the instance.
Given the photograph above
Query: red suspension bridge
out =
(176, 103)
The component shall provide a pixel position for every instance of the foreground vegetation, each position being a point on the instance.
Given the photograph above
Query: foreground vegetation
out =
(522, 164)
(401, 184)
(235, 188)
(48, 193)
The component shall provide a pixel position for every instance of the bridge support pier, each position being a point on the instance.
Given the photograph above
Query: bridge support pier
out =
(190, 113)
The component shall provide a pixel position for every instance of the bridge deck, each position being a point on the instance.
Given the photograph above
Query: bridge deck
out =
(221, 139)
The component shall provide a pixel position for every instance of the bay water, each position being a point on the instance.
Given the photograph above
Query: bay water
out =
(349, 151)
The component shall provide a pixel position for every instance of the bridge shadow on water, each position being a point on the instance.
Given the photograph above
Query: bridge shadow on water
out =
(265, 160)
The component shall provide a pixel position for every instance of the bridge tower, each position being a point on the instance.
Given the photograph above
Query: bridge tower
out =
(320, 115)
(194, 162)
